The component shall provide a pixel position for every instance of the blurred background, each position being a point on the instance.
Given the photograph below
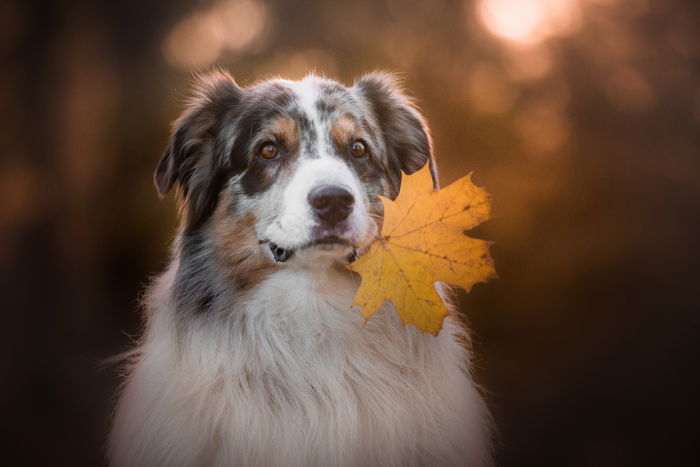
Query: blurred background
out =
(581, 117)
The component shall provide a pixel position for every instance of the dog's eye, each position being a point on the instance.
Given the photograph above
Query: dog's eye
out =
(358, 149)
(269, 151)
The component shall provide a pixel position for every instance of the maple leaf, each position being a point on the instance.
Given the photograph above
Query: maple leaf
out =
(423, 240)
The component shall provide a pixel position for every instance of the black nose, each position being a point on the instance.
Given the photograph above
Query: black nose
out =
(332, 203)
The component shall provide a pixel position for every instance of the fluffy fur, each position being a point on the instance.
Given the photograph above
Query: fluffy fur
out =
(250, 361)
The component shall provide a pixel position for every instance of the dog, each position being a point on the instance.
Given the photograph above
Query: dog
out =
(252, 354)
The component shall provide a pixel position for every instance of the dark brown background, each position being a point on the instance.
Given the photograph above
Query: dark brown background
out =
(584, 125)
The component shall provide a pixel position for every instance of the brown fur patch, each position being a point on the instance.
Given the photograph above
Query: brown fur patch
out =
(285, 129)
(343, 129)
(242, 260)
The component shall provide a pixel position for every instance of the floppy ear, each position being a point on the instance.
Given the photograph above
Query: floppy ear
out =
(405, 131)
(197, 155)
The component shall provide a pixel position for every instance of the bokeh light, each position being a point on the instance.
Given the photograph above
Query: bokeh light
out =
(529, 63)
(489, 90)
(529, 21)
(201, 37)
(297, 64)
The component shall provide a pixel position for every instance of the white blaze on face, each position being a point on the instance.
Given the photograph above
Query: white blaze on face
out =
(308, 94)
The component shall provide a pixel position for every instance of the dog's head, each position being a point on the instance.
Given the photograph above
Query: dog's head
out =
(292, 169)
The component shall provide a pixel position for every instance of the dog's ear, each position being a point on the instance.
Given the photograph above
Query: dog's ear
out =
(196, 156)
(406, 133)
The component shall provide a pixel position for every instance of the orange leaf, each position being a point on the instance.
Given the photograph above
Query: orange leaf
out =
(423, 241)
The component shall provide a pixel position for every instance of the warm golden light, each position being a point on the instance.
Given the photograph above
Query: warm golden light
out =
(192, 43)
(228, 26)
(488, 90)
(543, 132)
(240, 22)
(296, 65)
(529, 21)
(542, 122)
(526, 64)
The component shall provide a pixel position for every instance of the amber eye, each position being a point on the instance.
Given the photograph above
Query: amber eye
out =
(269, 151)
(358, 149)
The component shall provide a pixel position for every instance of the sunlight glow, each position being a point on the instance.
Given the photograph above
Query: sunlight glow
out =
(529, 21)
(526, 64)
(228, 26)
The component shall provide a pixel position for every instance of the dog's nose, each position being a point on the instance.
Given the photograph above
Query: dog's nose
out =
(332, 203)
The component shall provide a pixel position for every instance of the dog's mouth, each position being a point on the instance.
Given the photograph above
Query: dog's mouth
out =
(329, 242)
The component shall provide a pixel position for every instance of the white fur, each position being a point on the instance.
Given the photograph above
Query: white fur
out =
(307, 92)
(304, 384)
(293, 224)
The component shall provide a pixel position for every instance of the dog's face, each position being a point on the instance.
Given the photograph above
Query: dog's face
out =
(292, 169)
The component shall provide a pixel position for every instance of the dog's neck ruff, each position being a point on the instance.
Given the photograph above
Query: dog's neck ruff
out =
(295, 367)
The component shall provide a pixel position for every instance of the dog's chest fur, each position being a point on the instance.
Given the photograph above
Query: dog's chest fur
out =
(300, 381)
